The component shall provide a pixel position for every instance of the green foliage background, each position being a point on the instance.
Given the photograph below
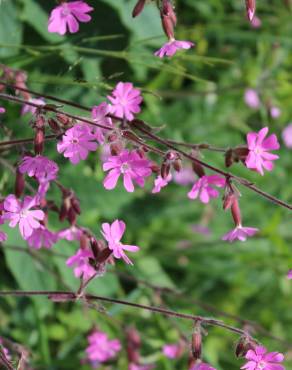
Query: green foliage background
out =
(198, 97)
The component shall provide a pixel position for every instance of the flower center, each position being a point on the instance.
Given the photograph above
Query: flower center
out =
(75, 141)
(125, 167)
(65, 11)
(23, 213)
(261, 365)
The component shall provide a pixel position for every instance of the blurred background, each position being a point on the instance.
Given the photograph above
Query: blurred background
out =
(197, 96)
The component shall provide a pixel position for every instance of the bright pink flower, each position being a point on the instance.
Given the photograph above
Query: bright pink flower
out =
(81, 264)
(172, 46)
(241, 233)
(2, 110)
(101, 348)
(41, 167)
(99, 115)
(130, 165)
(275, 112)
(160, 183)
(172, 350)
(204, 188)
(184, 177)
(287, 136)
(252, 99)
(42, 237)
(76, 143)
(259, 359)
(259, 157)
(30, 109)
(67, 14)
(202, 366)
(20, 213)
(125, 100)
(289, 275)
(113, 234)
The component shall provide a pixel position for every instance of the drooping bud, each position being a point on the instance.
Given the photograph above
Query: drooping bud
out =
(19, 183)
(138, 8)
(197, 341)
(250, 8)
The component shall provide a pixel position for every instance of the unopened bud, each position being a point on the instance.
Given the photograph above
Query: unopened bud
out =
(63, 119)
(19, 183)
(177, 165)
(139, 7)
(244, 344)
(250, 9)
(39, 141)
(165, 169)
(168, 10)
(54, 125)
(167, 26)
(155, 167)
(197, 342)
(116, 148)
(235, 210)
(229, 158)
(83, 241)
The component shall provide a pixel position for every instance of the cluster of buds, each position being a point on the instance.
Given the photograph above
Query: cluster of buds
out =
(15, 77)
(172, 159)
(60, 123)
(70, 207)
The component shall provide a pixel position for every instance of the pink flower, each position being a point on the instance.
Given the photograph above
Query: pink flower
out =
(67, 15)
(20, 213)
(113, 234)
(101, 348)
(2, 110)
(99, 115)
(160, 183)
(76, 143)
(289, 275)
(70, 234)
(241, 233)
(184, 177)
(202, 366)
(204, 188)
(29, 108)
(252, 99)
(172, 350)
(258, 157)
(287, 136)
(172, 46)
(42, 237)
(80, 261)
(130, 165)
(125, 101)
(275, 112)
(259, 359)
(41, 167)
(256, 22)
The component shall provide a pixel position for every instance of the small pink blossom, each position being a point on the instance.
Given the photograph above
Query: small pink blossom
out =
(289, 275)
(259, 359)
(99, 115)
(241, 233)
(80, 262)
(202, 366)
(67, 15)
(172, 46)
(113, 234)
(39, 166)
(20, 213)
(128, 164)
(259, 157)
(101, 348)
(287, 136)
(184, 177)
(252, 99)
(275, 112)
(256, 22)
(160, 183)
(172, 351)
(70, 234)
(42, 237)
(204, 188)
(26, 108)
(125, 100)
(76, 143)
(2, 110)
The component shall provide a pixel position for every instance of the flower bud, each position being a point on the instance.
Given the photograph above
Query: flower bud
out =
(168, 10)
(197, 341)
(243, 345)
(138, 8)
(177, 165)
(63, 119)
(229, 158)
(116, 147)
(39, 141)
(235, 210)
(165, 169)
(19, 183)
(167, 26)
(54, 125)
(250, 8)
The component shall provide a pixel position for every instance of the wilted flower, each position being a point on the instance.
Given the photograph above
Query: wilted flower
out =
(80, 262)
(113, 234)
(101, 348)
(287, 136)
(130, 166)
(26, 108)
(252, 99)
(20, 213)
(39, 166)
(76, 143)
(259, 359)
(67, 15)
(125, 101)
(42, 237)
(172, 46)
(259, 157)
(204, 188)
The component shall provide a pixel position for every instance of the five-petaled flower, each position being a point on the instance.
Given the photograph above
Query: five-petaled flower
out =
(259, 157)
(41, 167)
(20, 213)
(80, 262)
(172, 46)
(125, 101)
(130, 165)
(68, 14)
(101, 348)
(76, 143)
(204, 188)
(259, 359)
(113, 234)
(241, 233)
